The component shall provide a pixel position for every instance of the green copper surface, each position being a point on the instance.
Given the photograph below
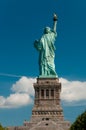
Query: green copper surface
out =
(45, 46)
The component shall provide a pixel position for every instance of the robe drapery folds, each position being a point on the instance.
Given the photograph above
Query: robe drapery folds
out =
(46, 49)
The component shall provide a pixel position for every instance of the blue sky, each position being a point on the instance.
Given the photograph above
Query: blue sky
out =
(21, 22)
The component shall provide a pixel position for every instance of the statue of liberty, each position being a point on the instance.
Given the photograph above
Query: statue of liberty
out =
(45, 46)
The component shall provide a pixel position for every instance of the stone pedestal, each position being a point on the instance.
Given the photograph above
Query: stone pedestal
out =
(47, 113)
(47, 100)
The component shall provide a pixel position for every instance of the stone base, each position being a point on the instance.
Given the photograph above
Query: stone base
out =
(44, 125)
(50, 125)
(47, 113)
(47, 100)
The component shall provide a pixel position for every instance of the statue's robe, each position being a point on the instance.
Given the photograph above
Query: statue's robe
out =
(46, 49)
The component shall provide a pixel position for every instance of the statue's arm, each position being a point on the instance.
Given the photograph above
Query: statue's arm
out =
(37, 45)
(54, 22)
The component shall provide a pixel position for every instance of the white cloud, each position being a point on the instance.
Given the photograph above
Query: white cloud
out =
(2, 101)
(73, 91)
(23, 92)
(15, 100)
(22, 95)
(24, 85)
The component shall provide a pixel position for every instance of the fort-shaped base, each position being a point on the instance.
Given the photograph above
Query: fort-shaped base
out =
(47, 113)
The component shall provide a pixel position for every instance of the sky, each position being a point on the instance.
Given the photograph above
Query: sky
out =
(21, 23)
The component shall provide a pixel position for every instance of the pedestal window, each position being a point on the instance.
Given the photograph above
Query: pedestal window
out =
(52, 92)
(47, 93)
(42, 93)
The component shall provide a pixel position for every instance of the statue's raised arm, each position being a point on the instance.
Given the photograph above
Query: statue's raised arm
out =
(55, 18)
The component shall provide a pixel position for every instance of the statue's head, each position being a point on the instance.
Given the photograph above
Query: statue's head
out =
(47, 30)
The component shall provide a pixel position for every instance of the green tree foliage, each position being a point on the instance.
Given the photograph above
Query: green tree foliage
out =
(1, 127)
(80, 123)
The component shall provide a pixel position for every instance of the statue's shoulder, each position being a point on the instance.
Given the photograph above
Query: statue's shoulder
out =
(53, 33)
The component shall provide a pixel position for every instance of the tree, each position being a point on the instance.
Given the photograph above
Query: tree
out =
(1, 127)
(80, 123)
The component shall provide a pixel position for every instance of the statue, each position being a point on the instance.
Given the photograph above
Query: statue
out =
(45, 46)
